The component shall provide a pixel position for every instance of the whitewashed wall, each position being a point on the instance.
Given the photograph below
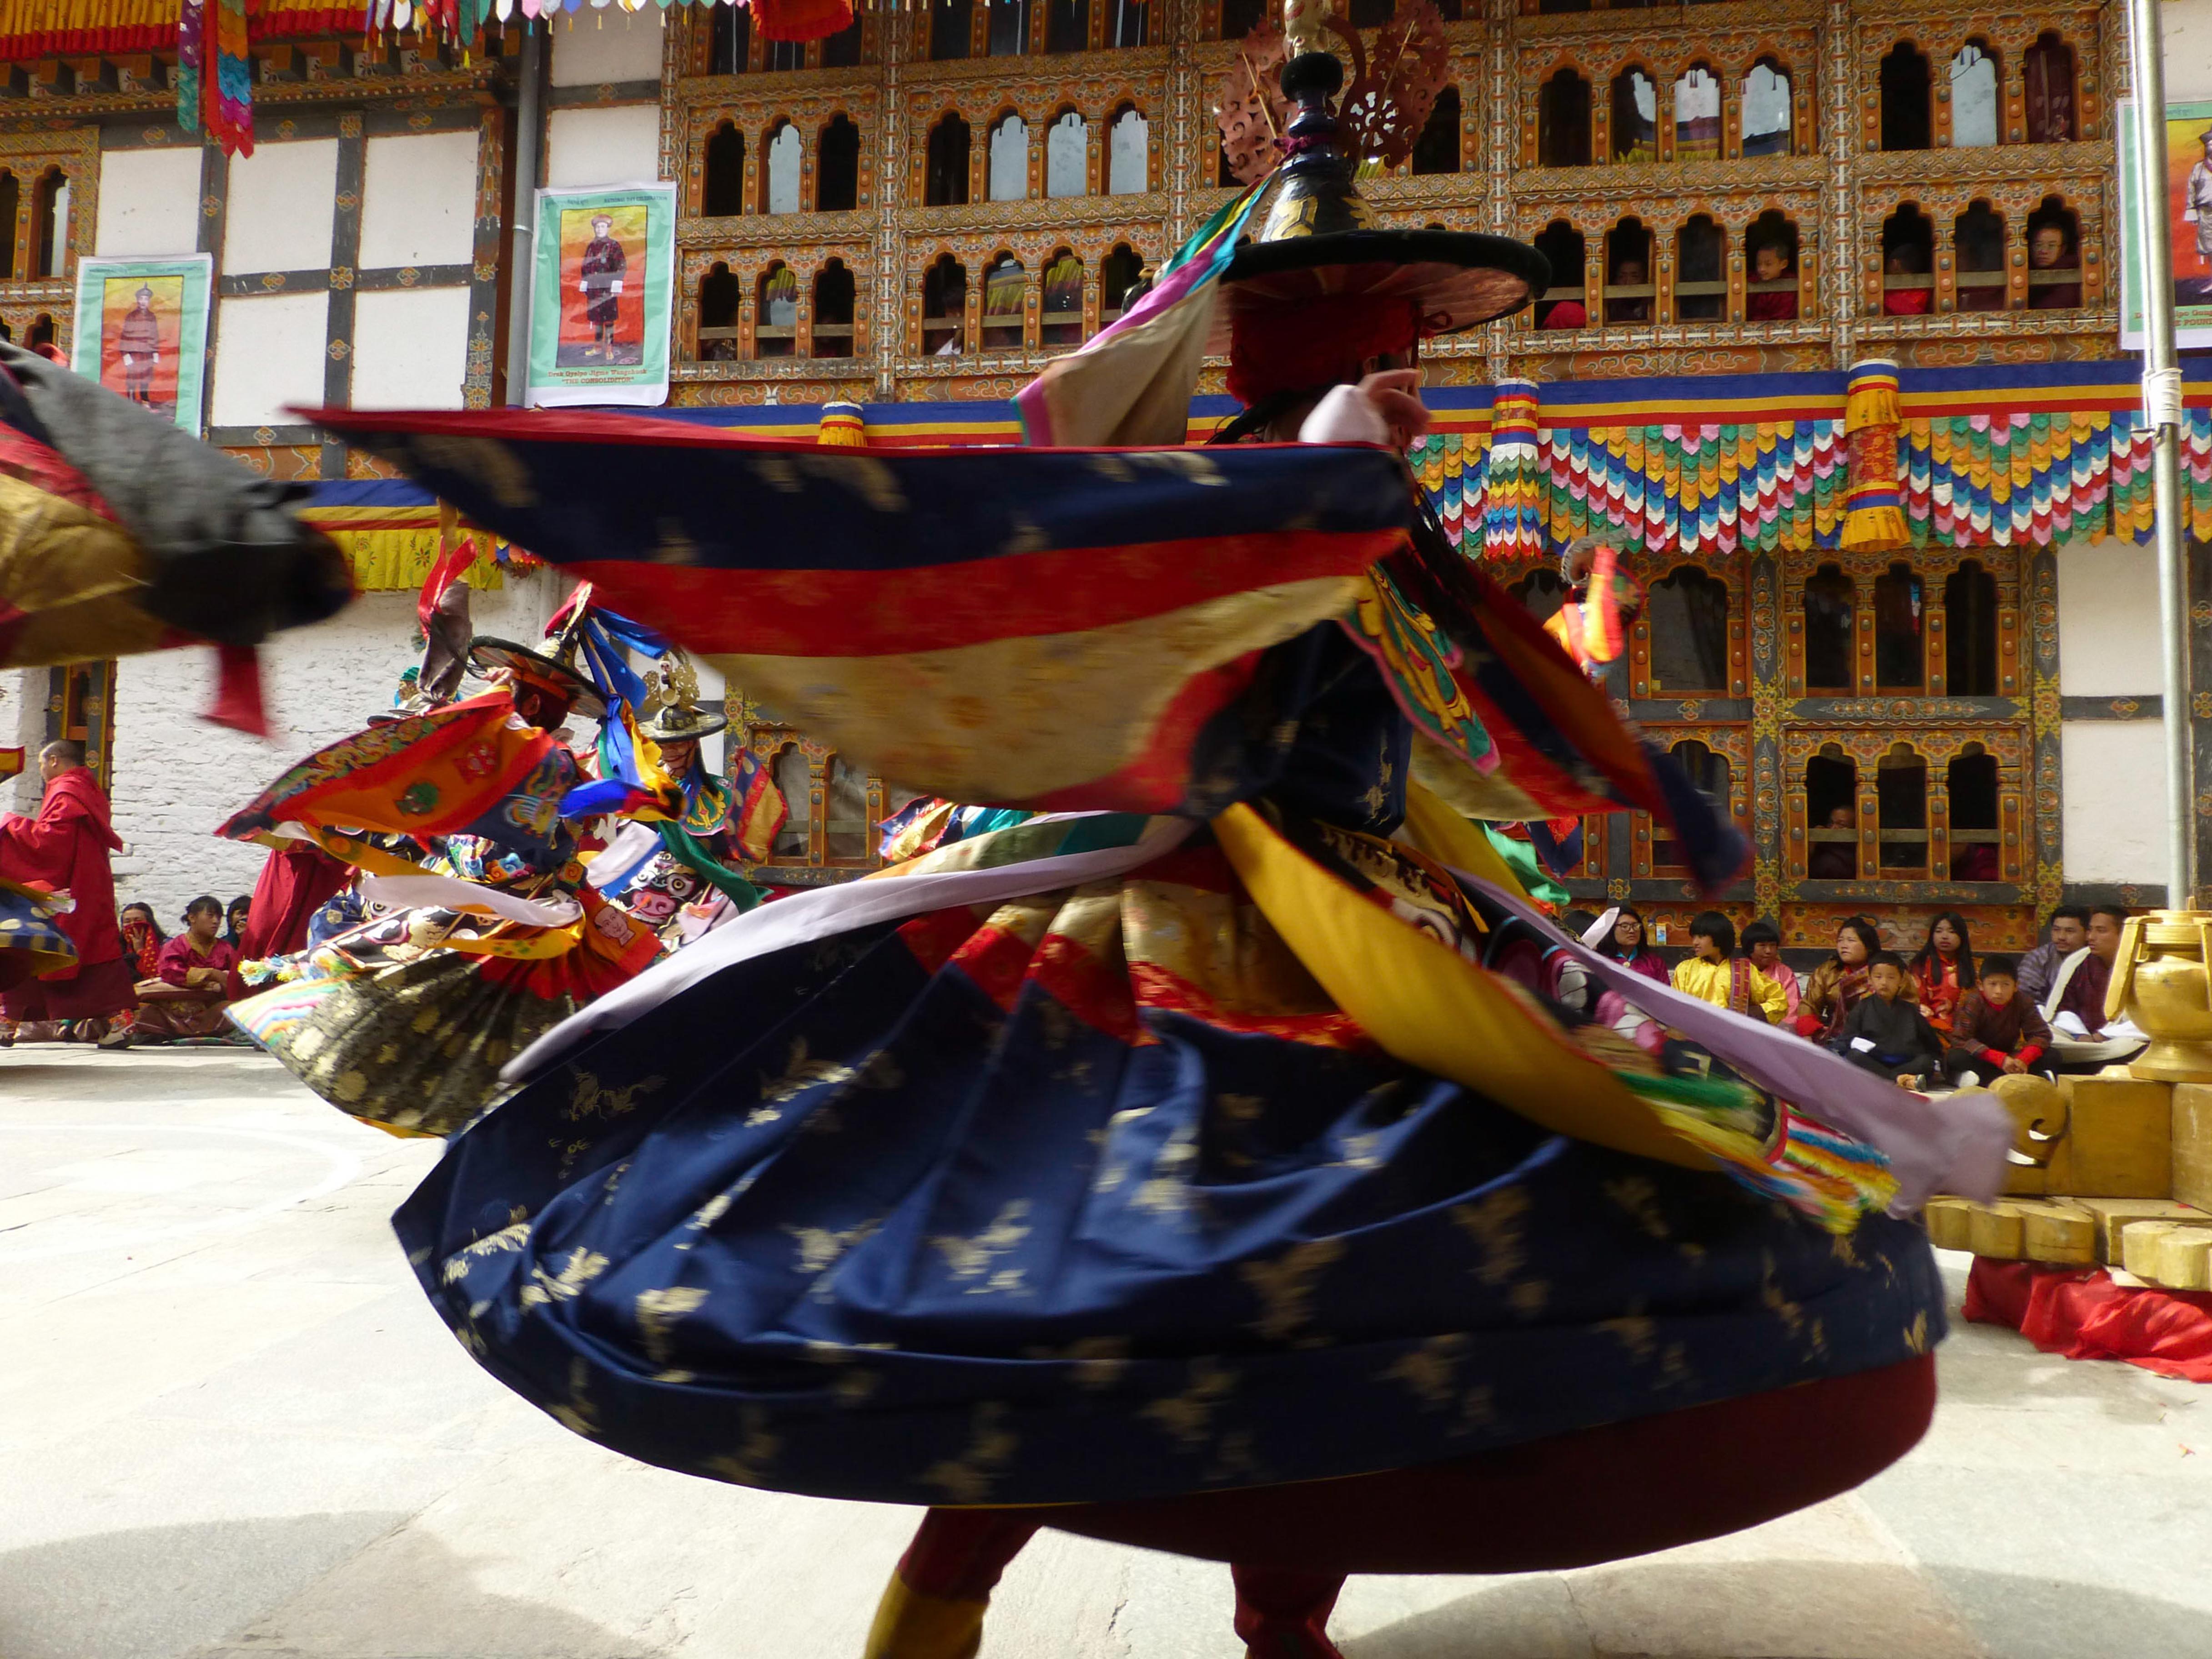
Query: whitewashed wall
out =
(149, 201)
(176, 776)
(2186, 28)
(619, 145)
(2112, 772)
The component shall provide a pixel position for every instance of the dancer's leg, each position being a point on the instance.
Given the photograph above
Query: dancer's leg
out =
(933, 1606)
(1283, 1614)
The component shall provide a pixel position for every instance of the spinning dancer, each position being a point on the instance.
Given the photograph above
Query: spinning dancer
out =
(1194, 1172)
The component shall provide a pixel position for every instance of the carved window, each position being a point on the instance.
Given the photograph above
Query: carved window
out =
(722, 178)
(1066, 25)
(780, 190)
(1978, 241)
(1901, 656)
(1696, 114)
(1900, 784)
(1117, 273)
(1977, 844)
(842, 49)
(1700, 282)
(1006, 287)
(837, 167)
(1128, 152)
(794, 780)
(719, 293)
(1832, 815)
(1628, 288)
(1830, 604)
(11, 201)
(50, 203)
(1368, 13)
(2047, 74)
(42, 330)
(1689, 618)
(1010, 160)
(1769, 126)
(1770, 260)
(832, 310)
(1240, 18)
(1710, 776)
(1975, 104)
(1908, 256)
(1437, 151)
(730, 50)
(1543, 590)
(1970, 632)
(1067, 155)
(1634, 117)
(1009, 24)
(1561, 305)
(1904, 107)
(776, 333)
(1061, 323)
(1563, 121)
(945, 182)
(2054, 257)
(1129, 23)
(783, 54)
(951, 31)
(943, 306)
(845, 814)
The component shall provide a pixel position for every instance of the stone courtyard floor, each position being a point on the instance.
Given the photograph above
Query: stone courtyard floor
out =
(230, 1428)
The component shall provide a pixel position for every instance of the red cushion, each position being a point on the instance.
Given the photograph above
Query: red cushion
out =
(1605, 1493)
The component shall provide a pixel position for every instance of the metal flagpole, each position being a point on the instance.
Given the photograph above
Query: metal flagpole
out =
(2162, 406)
(522, 254)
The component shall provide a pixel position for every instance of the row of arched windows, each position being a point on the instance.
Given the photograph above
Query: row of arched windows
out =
(1008, 29)
(827, 330)
(1575, 129)
(779, 187)
(1627, 274)
(1972, 109)
(1983, 273)
(951, 173)
(45, 248)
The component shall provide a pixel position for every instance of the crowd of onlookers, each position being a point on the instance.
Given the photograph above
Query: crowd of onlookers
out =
(1942, 1017)
(185, 979)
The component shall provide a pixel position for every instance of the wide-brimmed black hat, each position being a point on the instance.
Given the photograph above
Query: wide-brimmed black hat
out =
(681, 722)
(488, 654)
(1321, 241)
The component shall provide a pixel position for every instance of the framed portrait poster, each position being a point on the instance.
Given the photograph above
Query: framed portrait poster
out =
(599, 295)
(2188, 206)
(142, 331)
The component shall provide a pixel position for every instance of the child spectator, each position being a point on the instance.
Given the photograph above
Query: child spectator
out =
(2051, 248)
(1565, 314)
(142, 939)
(1836, 987)
(1713, 973)
(1770, 262)
(1762, 942)
(1887, 1034)
(1834, 860)
(1944, 971)
(194, 981)
(1996, 1029)
(1628, 272)
(234, 920)
(1906, 260)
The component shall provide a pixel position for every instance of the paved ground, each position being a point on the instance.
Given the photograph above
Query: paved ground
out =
(231, 1428)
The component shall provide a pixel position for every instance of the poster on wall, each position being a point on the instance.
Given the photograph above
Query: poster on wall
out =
(142, 331)
(2188, 207)
(600, 295)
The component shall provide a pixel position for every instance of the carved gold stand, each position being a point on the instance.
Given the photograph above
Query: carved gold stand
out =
(2160, 982)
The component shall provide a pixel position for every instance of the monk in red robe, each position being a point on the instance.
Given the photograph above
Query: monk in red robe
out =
(66, 848)
(296, 880)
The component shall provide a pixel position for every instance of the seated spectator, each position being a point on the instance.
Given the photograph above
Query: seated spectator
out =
(1838, 985)
(1834, 860)
(1630, 945)
(234, 920)
(1565, 314)
(194, 981)
(1762, 942)
(1628, 272)
(2051, 248)
(1976, 861)
(2082, 1039)
(1944, 971)
(1887, 1034)
(1996, 1030)
(1713, 973)
(2039, 968)
(1906, 260)
(142, 939)
(1771, 262)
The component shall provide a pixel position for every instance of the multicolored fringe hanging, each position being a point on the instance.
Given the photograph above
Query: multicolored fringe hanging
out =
(215, 73)
(1760, 486)
(192, 47)
(1513, 492)
(1873, 515)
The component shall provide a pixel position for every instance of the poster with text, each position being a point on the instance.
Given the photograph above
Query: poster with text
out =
(600, 295)
(142, 331)
(2187, 199)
